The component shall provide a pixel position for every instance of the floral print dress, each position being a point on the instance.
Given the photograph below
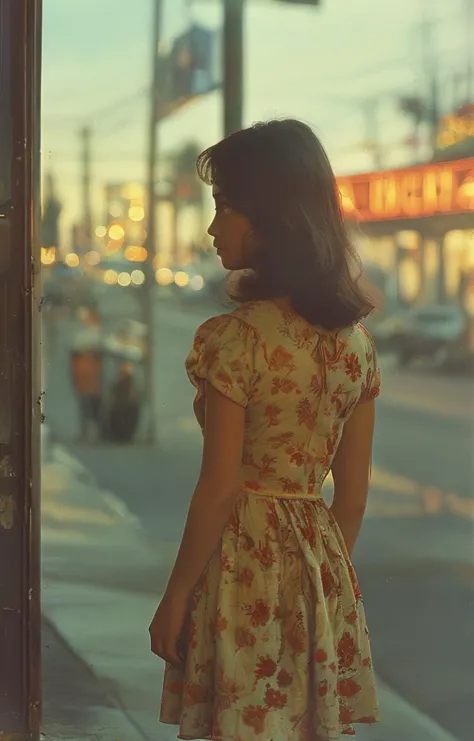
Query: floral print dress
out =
(278, 646)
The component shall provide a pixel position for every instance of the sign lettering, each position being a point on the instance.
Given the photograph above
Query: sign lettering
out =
(417, 192)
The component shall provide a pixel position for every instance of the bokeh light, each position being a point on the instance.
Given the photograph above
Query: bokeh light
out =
(181, 279)
(124, 279)
(164, 277)
(72, 260)
(138, 277)
(110, 277)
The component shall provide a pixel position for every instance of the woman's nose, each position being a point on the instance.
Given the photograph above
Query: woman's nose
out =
(212, 231)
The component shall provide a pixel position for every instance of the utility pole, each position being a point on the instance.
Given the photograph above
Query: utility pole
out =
(85, 134)
(469, 23)
(370, 108)
(148, 290)
(20, 395)
(233, 65)
(431, 76)
(457, 90)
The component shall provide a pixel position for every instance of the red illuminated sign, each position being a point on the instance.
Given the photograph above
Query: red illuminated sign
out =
(415, 192)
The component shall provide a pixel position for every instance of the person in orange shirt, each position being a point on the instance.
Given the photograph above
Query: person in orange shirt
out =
(87, 376)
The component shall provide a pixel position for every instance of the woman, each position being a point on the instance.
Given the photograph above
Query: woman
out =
(262, 624)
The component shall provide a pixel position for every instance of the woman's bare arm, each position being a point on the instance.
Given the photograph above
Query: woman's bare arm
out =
(351, 471)
(216, 491)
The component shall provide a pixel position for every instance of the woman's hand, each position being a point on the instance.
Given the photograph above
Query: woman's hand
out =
(166, 629)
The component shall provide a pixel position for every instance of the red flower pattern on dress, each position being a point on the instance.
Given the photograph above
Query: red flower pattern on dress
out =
(221, 622)
(306, 414)
(265, 556)
(321, 656)
(280, 359)
(244, 638)
(275, 698)
(266, 667)
(347, 688)
(281, 568)
(353, 366)
(290, 487)
(254, 716)
(267, 467)
(196, 694)
(245, 576)
(283, 386)
(346, 651)
(259, 613)
(272, 413)
(284, 678)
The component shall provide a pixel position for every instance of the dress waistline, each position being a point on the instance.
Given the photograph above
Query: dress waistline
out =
(316, 498)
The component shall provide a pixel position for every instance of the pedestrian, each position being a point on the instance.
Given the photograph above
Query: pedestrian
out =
(262, 624)
(124, 404)
(87, 375)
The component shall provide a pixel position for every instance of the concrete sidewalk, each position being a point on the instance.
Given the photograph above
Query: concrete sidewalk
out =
(102, 583)
(82, 528)
(79, 707)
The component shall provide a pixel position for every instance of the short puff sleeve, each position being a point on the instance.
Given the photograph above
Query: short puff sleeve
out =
(371, 376)
(222, 354)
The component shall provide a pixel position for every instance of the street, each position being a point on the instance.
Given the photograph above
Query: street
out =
(415, 555)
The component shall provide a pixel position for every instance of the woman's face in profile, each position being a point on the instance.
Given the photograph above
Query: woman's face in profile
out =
(232, 234)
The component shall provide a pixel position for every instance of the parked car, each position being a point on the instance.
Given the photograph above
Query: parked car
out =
(441, 333)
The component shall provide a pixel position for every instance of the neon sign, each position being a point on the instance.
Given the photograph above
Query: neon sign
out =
(416, 192)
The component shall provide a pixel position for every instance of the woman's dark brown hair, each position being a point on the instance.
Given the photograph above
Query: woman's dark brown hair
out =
(277, 174)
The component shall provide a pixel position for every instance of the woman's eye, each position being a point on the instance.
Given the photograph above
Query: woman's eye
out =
(221, 208)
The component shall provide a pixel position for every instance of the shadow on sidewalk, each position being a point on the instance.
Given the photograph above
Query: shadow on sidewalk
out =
(76, 704)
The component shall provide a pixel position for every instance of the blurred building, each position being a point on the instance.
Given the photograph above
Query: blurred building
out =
(414, 227)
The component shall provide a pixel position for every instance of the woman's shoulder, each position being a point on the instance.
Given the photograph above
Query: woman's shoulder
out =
(218, 323)
(359, 354)
(359, 338)
(257, 313)
(225, 327)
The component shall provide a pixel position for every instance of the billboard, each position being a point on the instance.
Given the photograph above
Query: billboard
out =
(414, 192)
(191, 69)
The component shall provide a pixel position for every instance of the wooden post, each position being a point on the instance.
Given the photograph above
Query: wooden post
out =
(20, 393)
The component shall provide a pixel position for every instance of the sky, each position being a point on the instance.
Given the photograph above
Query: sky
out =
(319, 65)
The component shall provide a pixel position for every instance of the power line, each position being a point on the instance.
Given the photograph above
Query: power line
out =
(98, 113)
(109, 157)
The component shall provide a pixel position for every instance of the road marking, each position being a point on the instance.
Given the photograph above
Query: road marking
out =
(393, 483)
(410, 497)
